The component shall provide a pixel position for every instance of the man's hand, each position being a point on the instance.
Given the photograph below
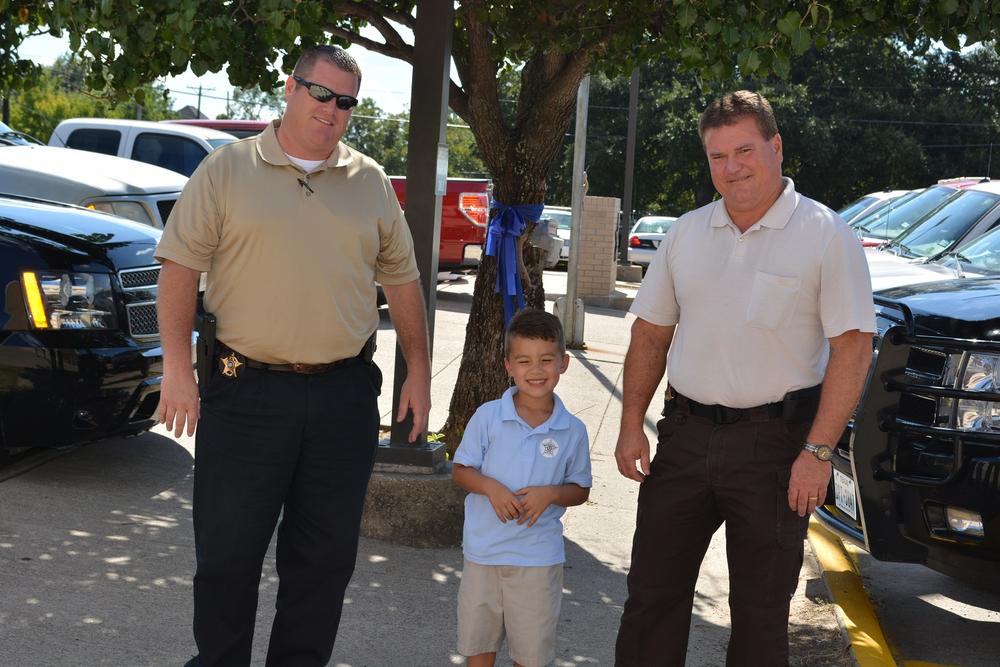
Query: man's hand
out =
(633, 445)
(534, 501)
(179, 402)
(415, 394)
(505, 504)
(808, 483)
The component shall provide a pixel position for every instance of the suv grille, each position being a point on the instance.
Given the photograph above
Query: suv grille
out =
(142, 322)
(137, 278)
(139, 287)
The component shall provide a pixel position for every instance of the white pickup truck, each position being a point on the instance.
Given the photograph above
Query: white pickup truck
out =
(179, 148)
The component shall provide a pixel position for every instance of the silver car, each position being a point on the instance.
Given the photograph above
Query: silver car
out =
(645, 238)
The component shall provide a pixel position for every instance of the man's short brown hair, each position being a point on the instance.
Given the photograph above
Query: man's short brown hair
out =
(335, 55)
(536, 324)
(734, 107)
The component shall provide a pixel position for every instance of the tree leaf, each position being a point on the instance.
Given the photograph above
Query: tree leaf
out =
(948, 7)
(686, 16)
(789, 22)
(712, 27)
(801, 40)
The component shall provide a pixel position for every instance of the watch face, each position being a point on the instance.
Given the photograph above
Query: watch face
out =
(824, 453)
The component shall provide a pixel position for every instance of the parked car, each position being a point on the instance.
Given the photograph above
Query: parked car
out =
(645, 238)
(917, 472)
(464, 210)
(870, 203)
(965, 215)
(139, 192)
(11, 137)
(884, 225)
(80, 355)
(976, 258)
(178, 148)
(241, 129)
(561, 223)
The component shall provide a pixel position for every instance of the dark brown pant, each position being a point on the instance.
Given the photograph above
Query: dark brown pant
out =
(705, 474)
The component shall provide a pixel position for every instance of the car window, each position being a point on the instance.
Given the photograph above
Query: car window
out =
(652, 226)
(563, 219)
(215, 143)
(96, 141)
(168, 151)
(940, 230)
(852, 210)
(890, 223)
(981, 255)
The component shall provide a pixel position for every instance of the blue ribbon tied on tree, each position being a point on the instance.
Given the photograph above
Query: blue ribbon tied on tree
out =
(506, 226)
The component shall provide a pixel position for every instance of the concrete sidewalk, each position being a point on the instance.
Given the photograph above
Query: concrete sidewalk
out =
(96, 551)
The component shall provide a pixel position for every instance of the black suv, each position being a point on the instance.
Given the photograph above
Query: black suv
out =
(79, 340)
(917, 472)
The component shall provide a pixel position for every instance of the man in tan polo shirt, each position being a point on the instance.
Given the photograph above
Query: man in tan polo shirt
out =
(764, 303)
(294, 230)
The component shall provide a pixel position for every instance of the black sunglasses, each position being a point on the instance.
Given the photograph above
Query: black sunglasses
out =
(324, 94)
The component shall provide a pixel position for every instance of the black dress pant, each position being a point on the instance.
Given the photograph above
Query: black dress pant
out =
(273, 444)
(703, 475)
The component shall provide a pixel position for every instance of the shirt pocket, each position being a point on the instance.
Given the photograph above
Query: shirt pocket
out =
(772, 300)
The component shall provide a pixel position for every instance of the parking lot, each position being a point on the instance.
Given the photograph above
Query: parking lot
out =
(97, 554)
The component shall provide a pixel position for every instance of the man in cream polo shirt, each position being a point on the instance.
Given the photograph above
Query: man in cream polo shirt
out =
(294, 229)
(764, 303)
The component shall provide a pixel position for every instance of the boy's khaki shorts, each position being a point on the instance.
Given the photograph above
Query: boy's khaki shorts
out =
(520, 602)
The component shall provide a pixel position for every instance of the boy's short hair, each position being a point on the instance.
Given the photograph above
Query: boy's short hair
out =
(536, 324)
(733, 107)
(334, 55)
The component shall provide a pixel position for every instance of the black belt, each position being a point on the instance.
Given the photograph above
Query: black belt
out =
(798, 405)
(230, 360)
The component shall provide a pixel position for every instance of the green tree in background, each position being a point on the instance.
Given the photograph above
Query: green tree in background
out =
(859, 116)
(256, 104)
(60, 92)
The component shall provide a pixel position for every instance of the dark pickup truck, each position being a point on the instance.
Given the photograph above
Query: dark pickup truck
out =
(80, 354)
(917, 472)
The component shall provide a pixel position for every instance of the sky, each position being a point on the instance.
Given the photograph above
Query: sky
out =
(384, 79)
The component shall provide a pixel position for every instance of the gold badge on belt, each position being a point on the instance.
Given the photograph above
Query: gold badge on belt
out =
(230, 365)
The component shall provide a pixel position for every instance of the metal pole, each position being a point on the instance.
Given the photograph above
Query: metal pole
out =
(579, 176)
(426, 183)
(633, 113)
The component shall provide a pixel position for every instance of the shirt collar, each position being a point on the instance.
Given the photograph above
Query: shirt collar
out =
(777, 216)
(558, 420)
(271, 152)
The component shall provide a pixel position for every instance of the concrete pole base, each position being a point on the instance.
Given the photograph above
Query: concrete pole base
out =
(417, 510)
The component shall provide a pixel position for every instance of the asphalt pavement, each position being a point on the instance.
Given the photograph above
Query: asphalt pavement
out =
(97, 555)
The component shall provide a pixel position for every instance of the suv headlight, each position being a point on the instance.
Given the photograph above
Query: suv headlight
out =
(981, 372)
(129, 210)
(63, 300)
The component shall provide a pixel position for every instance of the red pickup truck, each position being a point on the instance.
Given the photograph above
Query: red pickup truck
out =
(464, 208)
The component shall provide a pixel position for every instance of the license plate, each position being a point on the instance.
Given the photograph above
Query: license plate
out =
(846, 499)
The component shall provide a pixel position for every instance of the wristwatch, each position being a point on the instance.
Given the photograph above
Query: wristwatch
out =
(821, 452)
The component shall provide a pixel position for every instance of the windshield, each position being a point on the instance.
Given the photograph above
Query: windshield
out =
(221, 142)
(563, 219)
(653, 225)
(979, 256)
(944, 227)
(892, 221)
(855, 209)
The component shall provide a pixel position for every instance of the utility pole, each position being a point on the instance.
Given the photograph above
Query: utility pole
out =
(633, 113)
(199, 89)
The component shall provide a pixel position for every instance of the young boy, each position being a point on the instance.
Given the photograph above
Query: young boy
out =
(523, 460)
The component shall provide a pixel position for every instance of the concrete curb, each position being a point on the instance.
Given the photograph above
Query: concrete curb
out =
(855, 612)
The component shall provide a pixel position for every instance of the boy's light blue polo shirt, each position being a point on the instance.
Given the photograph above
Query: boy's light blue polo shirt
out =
(501, 445)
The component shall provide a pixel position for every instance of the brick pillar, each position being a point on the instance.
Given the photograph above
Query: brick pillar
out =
(598, 266)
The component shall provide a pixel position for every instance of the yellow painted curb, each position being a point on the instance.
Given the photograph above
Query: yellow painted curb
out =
(854, 608)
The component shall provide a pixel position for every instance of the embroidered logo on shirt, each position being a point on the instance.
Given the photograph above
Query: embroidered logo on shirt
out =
(548, 448)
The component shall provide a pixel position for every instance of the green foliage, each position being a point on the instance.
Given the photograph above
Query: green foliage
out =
(59, 92)
(860, 116)
(256, 104)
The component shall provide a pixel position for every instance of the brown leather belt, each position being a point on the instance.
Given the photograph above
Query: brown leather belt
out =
(226, 355)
